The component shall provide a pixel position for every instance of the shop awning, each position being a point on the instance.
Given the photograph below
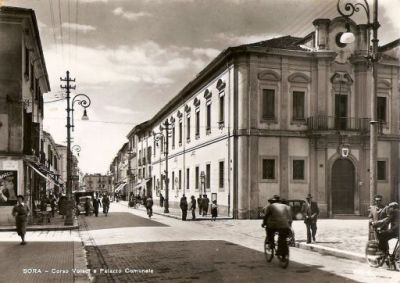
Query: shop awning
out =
(142, 184)
(120, 187)
(44, 173)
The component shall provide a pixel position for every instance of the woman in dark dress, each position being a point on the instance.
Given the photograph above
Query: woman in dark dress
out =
(20, 212)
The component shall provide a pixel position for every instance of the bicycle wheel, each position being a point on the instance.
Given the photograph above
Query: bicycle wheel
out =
(397, 259)
(284, 260)
(268, 251)
(374, 261)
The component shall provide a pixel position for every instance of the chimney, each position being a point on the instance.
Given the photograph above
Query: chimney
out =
(321, 33)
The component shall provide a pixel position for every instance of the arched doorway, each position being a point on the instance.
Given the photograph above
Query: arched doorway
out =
(343, 179)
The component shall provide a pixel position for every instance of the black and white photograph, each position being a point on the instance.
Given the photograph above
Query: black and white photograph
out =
(200, 141)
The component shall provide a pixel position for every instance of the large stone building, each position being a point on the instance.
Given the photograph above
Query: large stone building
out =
(97, 183)
(23, 80)
(287, 116)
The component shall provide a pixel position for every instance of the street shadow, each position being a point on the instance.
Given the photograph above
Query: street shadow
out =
(200, 261)
(320, 242)
(117, 220)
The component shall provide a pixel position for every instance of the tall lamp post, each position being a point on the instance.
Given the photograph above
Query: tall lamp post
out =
(157, 136)
(84, 101)
(76, 148)
(347, 10)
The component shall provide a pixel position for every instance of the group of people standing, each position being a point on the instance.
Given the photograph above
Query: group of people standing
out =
(105, 202)
(203, 203)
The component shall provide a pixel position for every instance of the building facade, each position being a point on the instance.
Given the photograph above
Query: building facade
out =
(97, 183)
(23, 80)
(287, 116)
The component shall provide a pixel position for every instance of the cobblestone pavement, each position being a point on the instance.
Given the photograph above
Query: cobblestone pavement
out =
(49, 256)
(209, 251)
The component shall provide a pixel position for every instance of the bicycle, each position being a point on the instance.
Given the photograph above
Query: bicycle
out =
(271, 249)
(391, 259)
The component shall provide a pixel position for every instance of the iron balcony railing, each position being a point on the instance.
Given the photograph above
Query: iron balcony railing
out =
(324, 123)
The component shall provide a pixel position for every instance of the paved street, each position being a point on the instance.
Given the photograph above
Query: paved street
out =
(166, 249)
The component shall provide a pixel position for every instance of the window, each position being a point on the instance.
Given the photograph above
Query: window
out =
(32, 77)
(208, 124)
(381, 108)
(268, 169)
(381, 171)
(187, 178)
(173, 137)
(173, 180)
(221, 174)
(221, 109)
(208, 177)
(298, 105)
(197, 124)
(298, 169)
(188, 129)
(27, 63)
(180, 132)
(268, 104)
(144, 172)
(197, 177)
(180, 180)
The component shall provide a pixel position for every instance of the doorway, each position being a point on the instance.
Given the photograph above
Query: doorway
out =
(343, 179)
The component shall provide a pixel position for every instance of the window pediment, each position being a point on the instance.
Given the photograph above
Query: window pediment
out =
(269, 76)
(341, 78)
(384, 84)
(299, 78)
(179, 114)
(207, 94)
(187, 108)
(196, 102)
(221, 85)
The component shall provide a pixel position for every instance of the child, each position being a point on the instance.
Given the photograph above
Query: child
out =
(214, 210)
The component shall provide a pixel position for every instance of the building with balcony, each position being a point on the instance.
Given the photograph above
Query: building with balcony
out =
(23, 80)
(97, 183)
(287, 116)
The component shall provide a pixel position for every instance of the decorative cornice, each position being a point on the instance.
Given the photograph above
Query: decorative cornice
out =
(384, 84)
(179, 114)
(221, 85)
(196, 102)
(341, 78)
(207, 94)
(187, 108)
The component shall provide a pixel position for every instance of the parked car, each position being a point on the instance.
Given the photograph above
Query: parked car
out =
(81, 205)
(296, 205)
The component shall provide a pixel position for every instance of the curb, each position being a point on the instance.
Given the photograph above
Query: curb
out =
(332, 252)
(43, 228)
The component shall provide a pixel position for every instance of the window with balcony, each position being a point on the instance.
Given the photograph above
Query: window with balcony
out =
(268, 104)
(268, 169)
(381, 109)
(298, 170)
(298, 105)
(208, 120)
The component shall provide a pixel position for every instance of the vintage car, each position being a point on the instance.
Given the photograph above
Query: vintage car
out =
(81, 205)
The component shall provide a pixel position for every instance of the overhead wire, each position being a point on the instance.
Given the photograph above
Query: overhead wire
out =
(61, 30)
(76, 29)
(53, 23)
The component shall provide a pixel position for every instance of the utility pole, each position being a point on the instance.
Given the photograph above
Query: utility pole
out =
(69, 204)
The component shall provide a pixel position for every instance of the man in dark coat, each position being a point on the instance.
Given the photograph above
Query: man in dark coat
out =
(310, 212)
(21, 212)
(106, 204)
(184, 207)
(193, 207)
(96, 205)
(376, 213)
(149, 206)
(200, 204)
(161, 200)
(205, 203)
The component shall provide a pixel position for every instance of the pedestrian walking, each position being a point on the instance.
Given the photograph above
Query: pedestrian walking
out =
(96, 205)
(53, 205)
(310, 212)
(205, 204)
(161, 200)
(214, 210)
(149, 206)
(200, 204)
(21, 212)
(144, 201)
(184, 207)
(106, 204)
(193, 207)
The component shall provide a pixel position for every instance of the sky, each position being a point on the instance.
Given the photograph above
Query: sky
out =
(132, 56)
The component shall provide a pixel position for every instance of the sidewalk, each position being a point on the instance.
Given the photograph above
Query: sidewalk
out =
(56, 224)
(176, 213)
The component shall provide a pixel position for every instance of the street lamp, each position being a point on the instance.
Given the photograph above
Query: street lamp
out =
(346, 11)
(84, 101)
(157, 136)
(76, 148)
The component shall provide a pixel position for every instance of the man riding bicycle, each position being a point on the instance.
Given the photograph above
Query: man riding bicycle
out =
(278, 218)
(392, 221)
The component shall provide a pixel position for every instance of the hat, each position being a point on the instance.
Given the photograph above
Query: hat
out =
(308, 196)
(274, 198)
(377, 197)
